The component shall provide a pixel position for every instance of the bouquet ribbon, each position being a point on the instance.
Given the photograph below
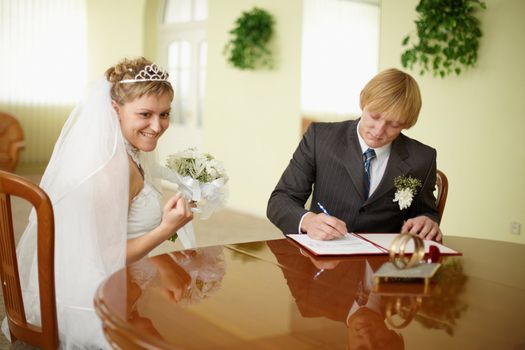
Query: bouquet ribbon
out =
(210, 196)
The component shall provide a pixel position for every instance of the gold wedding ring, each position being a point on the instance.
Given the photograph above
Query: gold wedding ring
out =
(398, 247)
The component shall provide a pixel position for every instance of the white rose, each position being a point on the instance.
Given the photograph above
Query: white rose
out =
(200, 165)
(213, 173)
(404, 197)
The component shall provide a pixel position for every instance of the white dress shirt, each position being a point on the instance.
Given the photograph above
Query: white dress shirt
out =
(377, 164)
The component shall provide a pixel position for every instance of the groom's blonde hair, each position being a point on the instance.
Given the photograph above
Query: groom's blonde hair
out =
(395, 94)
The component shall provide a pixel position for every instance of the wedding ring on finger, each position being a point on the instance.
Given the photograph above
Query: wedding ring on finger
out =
(398, 249)
(193, 206)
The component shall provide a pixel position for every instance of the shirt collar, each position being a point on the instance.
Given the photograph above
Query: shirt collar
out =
(381, 151)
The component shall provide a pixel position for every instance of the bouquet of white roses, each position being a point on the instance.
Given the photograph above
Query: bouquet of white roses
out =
(203, 179)
(204, 176)
(202, 167)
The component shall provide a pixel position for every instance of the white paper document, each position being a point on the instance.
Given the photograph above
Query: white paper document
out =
(362, 244)
(350, 244)
(385, 240)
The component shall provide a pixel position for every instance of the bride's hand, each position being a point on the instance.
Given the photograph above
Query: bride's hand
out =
(177, 212)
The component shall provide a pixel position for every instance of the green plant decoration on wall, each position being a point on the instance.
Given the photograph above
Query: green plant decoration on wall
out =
(247, 47)
(448, 33)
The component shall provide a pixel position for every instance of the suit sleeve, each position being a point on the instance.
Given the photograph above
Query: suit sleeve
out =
(425, 200)
(286, 203)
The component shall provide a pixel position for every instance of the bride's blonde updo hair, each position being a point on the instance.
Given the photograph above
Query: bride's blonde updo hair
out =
(128, 69)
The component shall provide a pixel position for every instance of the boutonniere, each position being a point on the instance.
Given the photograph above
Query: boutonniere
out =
(406, 188)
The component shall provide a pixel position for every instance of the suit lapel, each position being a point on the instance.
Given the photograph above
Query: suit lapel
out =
(353, 159)
(397, 166)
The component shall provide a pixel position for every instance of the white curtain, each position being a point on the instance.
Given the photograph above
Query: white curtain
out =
(42, 51)
(340, 53)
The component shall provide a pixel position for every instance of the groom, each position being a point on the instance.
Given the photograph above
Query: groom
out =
(352, 165)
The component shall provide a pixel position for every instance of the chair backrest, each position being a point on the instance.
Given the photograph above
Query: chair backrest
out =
(11, 142)
(46, 335)
(442, 191)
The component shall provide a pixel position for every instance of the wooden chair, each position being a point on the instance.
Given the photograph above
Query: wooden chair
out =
(442, 191)
(11, 142)
(46, 335)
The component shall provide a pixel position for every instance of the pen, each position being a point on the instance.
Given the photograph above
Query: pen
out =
(324, 211)
(327, 213)
(322, 208)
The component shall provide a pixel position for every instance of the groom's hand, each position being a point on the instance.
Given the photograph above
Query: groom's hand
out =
(424, 227)
(323, 227)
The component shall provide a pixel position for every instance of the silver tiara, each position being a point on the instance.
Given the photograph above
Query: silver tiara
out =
(151, 72)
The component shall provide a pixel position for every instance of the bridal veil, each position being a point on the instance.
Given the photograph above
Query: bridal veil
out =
(87, 179)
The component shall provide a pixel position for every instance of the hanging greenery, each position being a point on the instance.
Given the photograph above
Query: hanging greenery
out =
(447, 39)
(247, 47)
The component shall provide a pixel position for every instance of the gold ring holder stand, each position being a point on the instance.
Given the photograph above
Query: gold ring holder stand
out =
(406, 262)
(398, 249)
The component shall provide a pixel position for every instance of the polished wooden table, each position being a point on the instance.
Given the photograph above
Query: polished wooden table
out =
(270, 295)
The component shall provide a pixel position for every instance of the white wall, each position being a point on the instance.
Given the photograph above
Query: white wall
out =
(115, 30)
(475, 121)
(252, 118)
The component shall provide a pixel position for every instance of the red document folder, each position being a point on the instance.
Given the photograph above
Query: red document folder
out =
(361, 244)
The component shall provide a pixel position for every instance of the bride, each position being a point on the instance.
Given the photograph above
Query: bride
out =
(103, 180)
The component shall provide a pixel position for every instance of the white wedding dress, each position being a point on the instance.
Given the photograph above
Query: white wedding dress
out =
(145, 212)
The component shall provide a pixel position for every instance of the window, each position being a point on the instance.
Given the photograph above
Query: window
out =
(340, 53)
(181, 11)
(183, 43)
(43, 51)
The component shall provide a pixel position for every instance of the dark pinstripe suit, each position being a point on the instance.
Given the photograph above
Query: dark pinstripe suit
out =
(329, 159)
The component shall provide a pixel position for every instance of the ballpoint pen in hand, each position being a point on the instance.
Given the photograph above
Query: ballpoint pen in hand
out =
(324, 211)
(322, 208)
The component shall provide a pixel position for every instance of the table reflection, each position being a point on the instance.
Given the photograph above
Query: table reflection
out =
(270, 295)
(342, 290)
(182, 278)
